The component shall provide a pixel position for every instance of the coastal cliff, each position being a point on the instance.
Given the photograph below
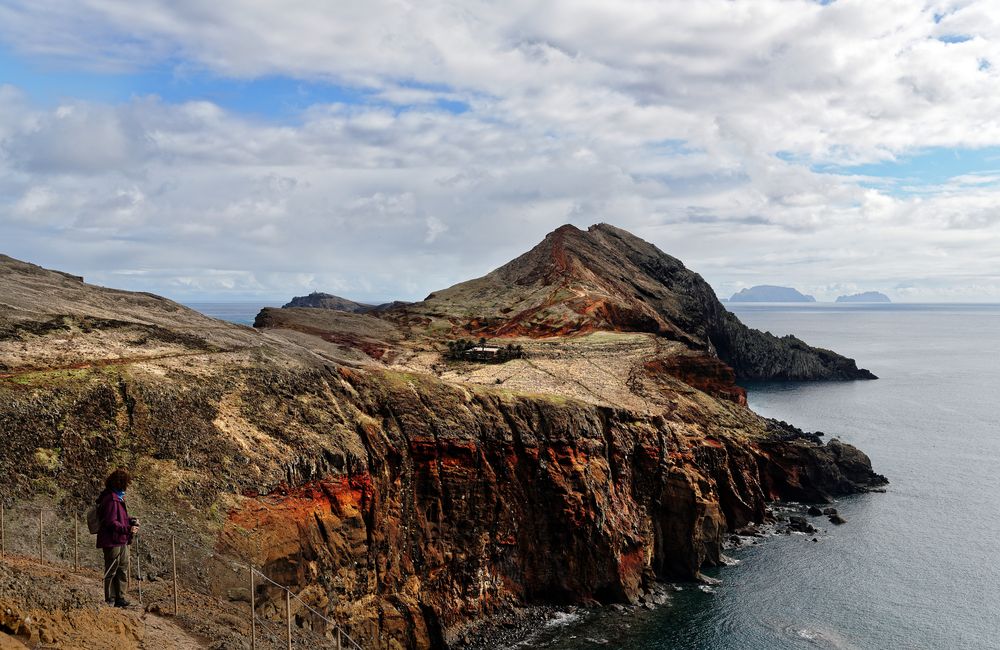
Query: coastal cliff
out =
(407, 496)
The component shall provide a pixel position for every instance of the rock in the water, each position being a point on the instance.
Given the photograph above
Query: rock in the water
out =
(829, 511)
(814, 511)
(800, 524)
(837, 519)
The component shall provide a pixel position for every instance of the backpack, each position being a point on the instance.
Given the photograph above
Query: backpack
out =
(93, 520)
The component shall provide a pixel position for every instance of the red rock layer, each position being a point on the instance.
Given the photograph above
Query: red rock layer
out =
(707, 374)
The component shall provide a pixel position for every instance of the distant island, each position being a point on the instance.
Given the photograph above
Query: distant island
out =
(770, 293)
(867, 296)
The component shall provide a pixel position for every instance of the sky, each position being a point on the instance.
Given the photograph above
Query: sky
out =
(382, 149)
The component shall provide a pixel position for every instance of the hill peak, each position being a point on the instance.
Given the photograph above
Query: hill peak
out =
(606, 278)
(320, 300)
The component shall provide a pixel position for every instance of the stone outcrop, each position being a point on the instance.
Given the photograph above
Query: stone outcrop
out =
(317, 300)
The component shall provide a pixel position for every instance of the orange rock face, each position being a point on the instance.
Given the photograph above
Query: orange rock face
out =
(705, 373)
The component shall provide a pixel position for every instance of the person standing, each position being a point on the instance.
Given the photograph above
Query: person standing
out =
(115, 535)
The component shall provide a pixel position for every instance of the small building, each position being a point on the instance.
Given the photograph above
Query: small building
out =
(483, 353)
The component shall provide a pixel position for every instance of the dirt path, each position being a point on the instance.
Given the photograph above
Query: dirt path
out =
(163, 633)
(51, 607)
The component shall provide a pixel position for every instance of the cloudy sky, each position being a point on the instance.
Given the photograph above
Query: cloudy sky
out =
(385, 148)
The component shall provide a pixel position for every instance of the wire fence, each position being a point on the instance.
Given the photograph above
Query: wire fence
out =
(180, 575)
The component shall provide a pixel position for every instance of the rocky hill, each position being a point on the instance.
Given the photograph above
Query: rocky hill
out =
(410, 497)
(319, 300)
(605, 278)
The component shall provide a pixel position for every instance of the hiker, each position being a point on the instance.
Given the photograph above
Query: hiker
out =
(115, 534)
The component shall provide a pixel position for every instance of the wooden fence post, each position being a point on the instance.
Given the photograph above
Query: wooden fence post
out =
(288, 615)
(253, 613)
(76, 543)
(41, 554)
(138, 567)
(338, 638)
(173, 561)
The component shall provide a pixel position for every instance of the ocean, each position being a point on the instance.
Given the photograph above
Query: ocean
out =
(915, 567)
(241, 312)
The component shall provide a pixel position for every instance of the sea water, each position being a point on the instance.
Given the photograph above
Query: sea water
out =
(240, 312)
(916, 567)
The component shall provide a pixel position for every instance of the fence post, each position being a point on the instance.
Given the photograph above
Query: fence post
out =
(41, 554)
(253, 613)
(138, 567)
(76, 543)
(288, 615)
(338, 638)
(173, 561)
(3, 531)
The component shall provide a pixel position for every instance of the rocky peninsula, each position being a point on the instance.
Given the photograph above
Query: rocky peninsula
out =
(406, 494)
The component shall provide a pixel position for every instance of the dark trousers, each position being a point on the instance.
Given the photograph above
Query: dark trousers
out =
(115, 563)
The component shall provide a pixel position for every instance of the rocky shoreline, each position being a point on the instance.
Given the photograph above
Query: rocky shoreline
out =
(522, 626)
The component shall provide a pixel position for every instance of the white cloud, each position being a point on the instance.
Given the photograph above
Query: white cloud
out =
(666, 118)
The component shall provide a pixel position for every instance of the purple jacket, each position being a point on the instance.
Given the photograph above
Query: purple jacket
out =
(114, 521)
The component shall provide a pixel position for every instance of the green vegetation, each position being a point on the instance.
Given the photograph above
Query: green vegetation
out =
(50, 377)
(466, 350)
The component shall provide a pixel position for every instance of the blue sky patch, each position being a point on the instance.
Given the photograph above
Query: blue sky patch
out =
(274, 97)
(927, 168)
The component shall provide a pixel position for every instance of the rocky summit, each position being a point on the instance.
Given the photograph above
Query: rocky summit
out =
(407, 491)
(320, 300)
(606, 279)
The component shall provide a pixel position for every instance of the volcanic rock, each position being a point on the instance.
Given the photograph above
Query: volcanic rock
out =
(605, 278)
(409, 496)
(800, 524)
(317, 300)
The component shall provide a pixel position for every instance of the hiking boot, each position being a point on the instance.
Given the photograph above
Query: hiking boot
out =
(122, 603)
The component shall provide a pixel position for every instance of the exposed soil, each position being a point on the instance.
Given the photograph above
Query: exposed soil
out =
(51, 607)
